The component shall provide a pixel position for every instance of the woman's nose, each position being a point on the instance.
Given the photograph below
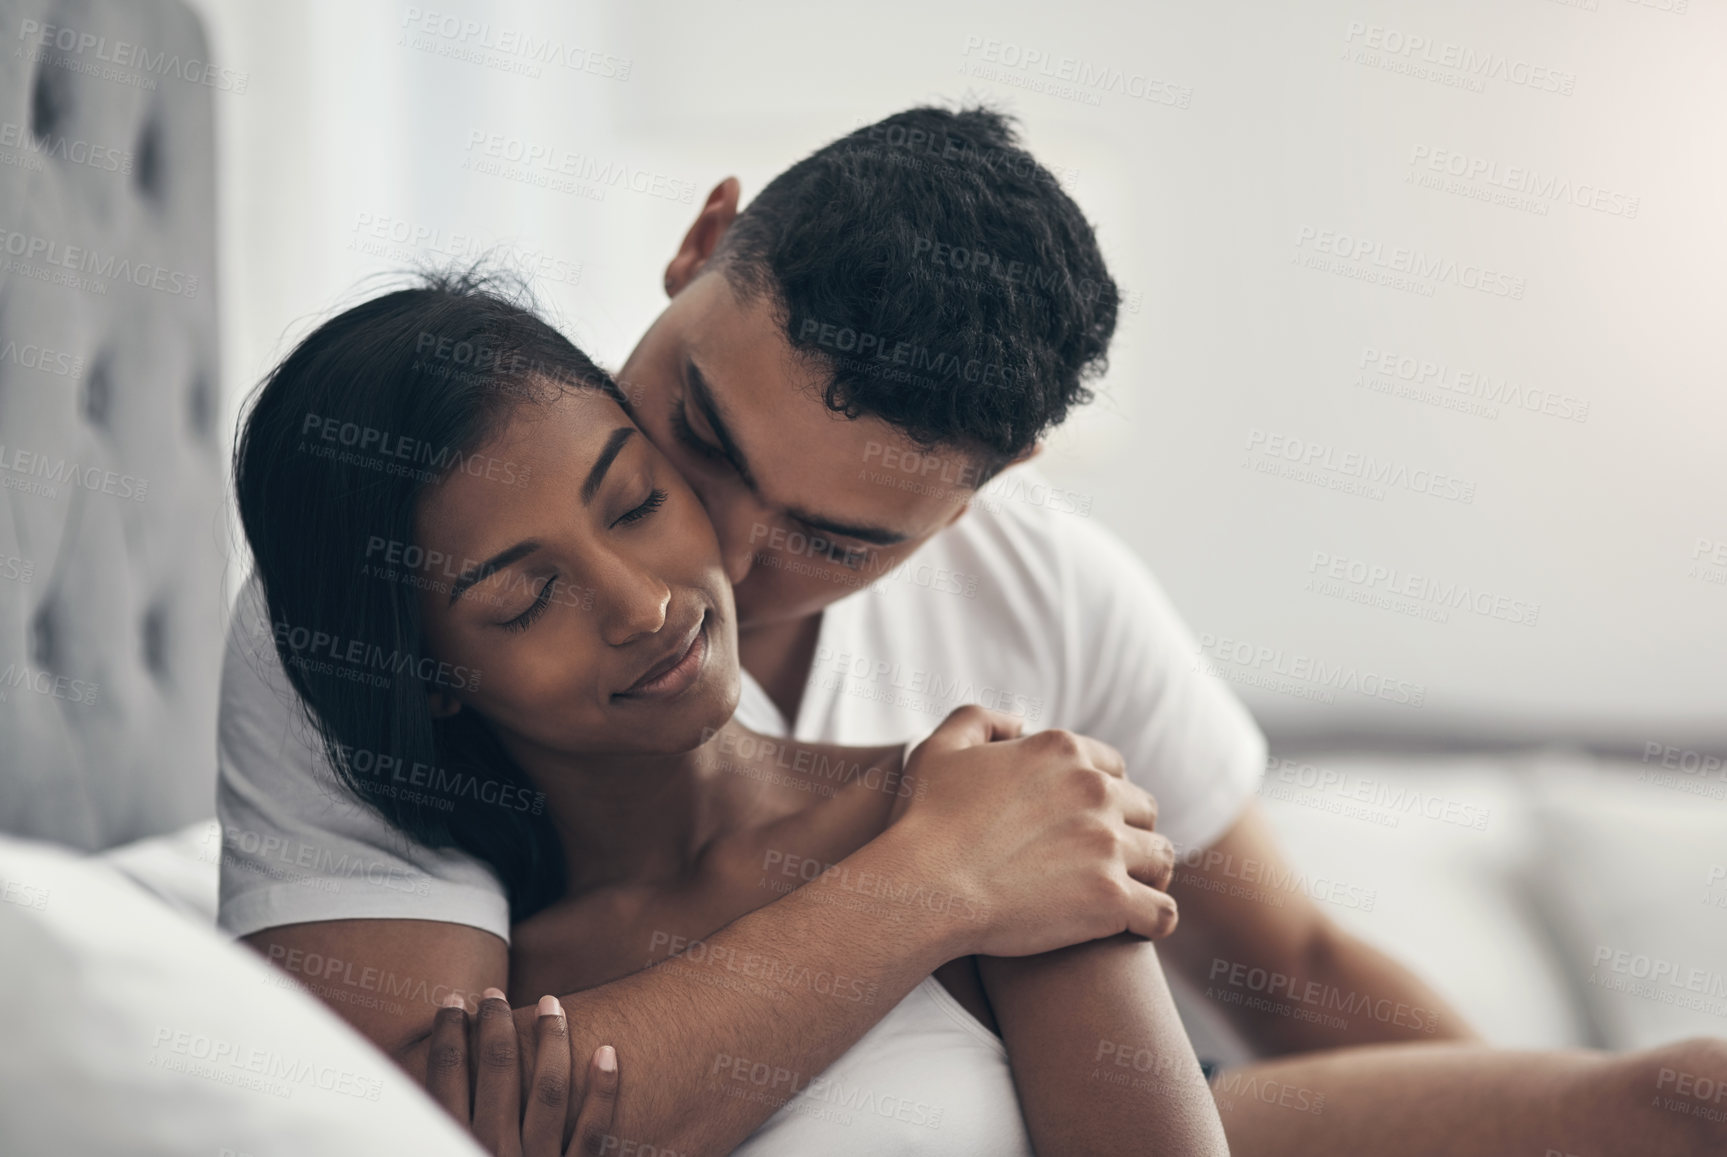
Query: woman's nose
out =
(632, 603)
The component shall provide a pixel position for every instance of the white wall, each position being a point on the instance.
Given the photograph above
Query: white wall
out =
(1289, 135)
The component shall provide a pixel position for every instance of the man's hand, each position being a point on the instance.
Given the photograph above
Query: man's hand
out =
(496, 1119)
(1044, 836)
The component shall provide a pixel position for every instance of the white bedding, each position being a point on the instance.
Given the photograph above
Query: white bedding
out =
(133, 1028)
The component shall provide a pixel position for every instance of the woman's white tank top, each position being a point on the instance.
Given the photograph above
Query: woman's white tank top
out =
(927, 1079)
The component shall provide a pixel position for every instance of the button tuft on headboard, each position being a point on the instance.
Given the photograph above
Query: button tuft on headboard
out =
(155, 638)
(201, 407)
(147, 168)
(50, 99)
(97, 394)
(44, 639)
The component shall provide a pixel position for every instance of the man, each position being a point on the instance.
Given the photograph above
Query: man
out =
(842, 368)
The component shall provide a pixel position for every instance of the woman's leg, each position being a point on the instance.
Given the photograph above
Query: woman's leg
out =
(1438, 1100)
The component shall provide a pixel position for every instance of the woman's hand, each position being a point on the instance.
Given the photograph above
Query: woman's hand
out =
(495, 1118)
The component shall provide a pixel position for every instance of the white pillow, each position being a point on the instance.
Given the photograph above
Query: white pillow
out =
(1424, 856)
(132, 1029)
(1634, 870)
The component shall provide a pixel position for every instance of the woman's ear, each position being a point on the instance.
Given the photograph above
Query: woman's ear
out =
(443, 704)
(704, 236)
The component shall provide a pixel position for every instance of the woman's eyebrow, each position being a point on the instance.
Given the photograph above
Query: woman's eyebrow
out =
(597, 475)
(484, 570)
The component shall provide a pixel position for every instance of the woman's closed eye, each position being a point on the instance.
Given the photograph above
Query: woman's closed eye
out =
(541, 601)
(656, 498)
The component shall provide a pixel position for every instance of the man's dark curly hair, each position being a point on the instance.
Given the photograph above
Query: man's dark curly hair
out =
(939, 274)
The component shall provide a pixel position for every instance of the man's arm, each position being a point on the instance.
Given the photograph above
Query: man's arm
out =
(1240, 913)
(680, 1028)
(682, 1031)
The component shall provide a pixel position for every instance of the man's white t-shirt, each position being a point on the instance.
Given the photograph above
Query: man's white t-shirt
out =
(1019, 606)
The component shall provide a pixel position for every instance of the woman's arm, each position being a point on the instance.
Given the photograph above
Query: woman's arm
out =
(992, 818)
(1099, 1055)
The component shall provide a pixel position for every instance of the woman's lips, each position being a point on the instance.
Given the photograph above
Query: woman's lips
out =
(664, 681)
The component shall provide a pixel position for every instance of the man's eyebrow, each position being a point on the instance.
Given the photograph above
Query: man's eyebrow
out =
(875, 535)
(698, 389)
(477, 574)
(603, 463)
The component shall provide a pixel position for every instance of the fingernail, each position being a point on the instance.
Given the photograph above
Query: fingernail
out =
(454, 1000)
(494, 994)
(608, 1059)
(549, 1006)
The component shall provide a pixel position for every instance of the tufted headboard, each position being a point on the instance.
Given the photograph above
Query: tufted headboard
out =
(112, 463)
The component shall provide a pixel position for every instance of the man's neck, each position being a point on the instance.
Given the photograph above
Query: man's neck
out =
(779, 657)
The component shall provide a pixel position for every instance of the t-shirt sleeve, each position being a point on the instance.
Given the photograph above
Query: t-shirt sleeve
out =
(296, 847)
(1135, 682)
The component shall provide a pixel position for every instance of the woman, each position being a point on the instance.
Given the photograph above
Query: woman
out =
(538, 605)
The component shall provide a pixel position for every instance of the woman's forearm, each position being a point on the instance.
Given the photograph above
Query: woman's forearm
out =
(1099, 1054)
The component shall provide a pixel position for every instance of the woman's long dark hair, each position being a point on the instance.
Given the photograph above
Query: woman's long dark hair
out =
(341, 439)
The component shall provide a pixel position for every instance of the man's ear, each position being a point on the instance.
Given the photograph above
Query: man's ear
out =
(704, 236)
(443, 704)
(1027, 454)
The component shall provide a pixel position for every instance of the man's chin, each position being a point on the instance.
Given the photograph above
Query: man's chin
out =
(760, 609)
